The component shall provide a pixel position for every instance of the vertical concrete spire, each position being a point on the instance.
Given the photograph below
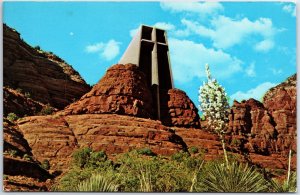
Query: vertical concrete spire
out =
(150, 51)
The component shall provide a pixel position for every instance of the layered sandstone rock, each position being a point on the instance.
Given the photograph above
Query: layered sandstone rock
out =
(17, 103)
(180, 111)
(269, 127)
(47, 78)
(280, 101)
(22, 171)
(55, 137)
(122, 90)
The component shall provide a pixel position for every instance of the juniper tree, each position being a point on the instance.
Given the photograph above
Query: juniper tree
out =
(214, 105)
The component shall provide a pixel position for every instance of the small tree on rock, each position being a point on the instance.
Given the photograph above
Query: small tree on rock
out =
(214, 105)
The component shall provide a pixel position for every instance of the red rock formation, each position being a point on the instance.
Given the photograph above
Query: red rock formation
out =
(269, 127)
(16, 102)
(280, 101)
(61, 135)
(180, 111)
(22, 171)
(47, 78)
(122, 90)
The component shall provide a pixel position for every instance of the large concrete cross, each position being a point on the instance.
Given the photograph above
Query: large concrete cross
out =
(150, 51)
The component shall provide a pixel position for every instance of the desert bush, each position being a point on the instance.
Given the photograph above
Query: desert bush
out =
(27, 157)
(27, 95)
(193, 150)
(237, 177)
(97, 183)
(45, 164)
(284, 186)
(46, 110)
(146, 151)
(12, 117)
(12, 153)
(81, 157)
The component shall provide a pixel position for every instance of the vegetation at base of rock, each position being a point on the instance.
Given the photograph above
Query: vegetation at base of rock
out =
(285, 186)
(145, 151)
(45, 164)
(47, 110)
(237, 177)
(12, 153)
(12, 117)
(135, 172)
(97, 183)
(193, 150)
(27, 157)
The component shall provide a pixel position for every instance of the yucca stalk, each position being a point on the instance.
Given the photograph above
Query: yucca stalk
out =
(236, 178)
(285, 186)
(214, 105)
(97, 183)
(194, 180)
(145, 180)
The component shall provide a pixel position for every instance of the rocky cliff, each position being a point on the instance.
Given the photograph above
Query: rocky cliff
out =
(47, 78)
(123, 91)
(268, 127)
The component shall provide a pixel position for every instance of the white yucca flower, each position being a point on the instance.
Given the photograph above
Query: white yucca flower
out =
(214, 105)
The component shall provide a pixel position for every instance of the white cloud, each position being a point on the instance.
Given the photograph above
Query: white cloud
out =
(201, 8)
(226, 32)
(264, 45)
(250, 70)
(94, 47)
(111, 50)
(162, 25)
(71, 33)
(108, 50)
(291, 9)
(256, 93)
(189, 58)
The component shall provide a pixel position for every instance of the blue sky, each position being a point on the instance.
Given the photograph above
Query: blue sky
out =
(250, 46)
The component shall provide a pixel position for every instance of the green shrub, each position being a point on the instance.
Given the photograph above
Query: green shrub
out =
(237, 177)
(37, 47)
(81, 157)
(193, 150)
(46, 110)
(45, 164)
(291, 186)
(179, 156)
(12, 117)
(97, 183)
(12, 153)
(27, 157)
(27, 95)
(146, 151)
(19, 90)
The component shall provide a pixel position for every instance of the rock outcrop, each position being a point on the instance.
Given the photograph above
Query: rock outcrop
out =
(61, 135)
(280, 101)
(44, 76)
(180, 111)
(122, 90)
(268, 127)
(17, 103)
(22, 172)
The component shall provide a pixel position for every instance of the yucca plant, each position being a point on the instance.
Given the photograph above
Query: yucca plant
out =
(97, 183)
(237, 177)
(145, 180)
(291, 186)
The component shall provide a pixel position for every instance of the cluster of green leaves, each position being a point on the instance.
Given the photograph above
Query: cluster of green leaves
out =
(136, 172)
(46, 110)
(12, 117)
